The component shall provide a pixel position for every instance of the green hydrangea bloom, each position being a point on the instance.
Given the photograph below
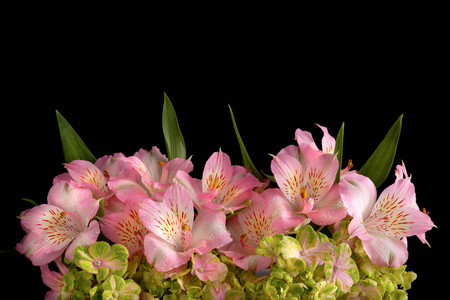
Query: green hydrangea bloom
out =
(102, 259)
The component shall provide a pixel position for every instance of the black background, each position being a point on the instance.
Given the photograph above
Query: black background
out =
(109, 85)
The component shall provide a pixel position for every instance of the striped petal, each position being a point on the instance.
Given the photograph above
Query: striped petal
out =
(217, 173)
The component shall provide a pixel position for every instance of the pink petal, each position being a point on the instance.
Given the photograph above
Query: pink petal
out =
(305, 137)
(217, 173)
(178, 164)
(192, 185)
(288, 173)
(386, 251)
(125, 229)
(158, 218)
(54, 229)
(86, 172)
(320, 175)
(39, 252)
(85, 238)
(284, 215)
(171, 218)
(358, 193)
(209, 227)
(163, 255)
(399, 194)
(328, 142)
(329, 209)
(153, 161)
(178, 199)
(256, 220)
(209, 267)
(247, 259)
(52, 279)
(126, 190)
(67, 196)
(237, 191)
(113, 165)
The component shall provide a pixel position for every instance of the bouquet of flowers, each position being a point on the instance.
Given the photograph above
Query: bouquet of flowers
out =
(141, 227)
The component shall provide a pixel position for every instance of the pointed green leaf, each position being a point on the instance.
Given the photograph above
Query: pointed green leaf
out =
(246, 161)
(338, 150)
(172, 133)
(73, 146)
(379, 164)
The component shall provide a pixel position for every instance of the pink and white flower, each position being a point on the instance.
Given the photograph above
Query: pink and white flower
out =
(61, 225)
(54, 280)
(265, 216)
(208, 267)
(154, 175)
(383, 224)
(223, 186)
(306, 177)
(174, 233)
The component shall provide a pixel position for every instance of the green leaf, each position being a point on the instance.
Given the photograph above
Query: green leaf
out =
(379, 164)
(172, 133)
(73, 146)
(30, 201)
(339, 150)
(246, 161)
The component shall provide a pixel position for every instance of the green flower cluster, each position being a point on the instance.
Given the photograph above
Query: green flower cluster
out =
(310, 265)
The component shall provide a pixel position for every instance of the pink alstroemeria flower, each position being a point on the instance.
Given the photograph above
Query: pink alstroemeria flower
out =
(156, 174)
(63, 223)
(174, 233)
(306, 178)
(54, 280)
(223, 186)
(380, 224)
(265, 216)
(125, 228)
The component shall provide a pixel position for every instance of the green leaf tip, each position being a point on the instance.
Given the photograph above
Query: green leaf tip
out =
(73, 146)
(246, 161)
(379, 164)
(172, 134)
(338, 150)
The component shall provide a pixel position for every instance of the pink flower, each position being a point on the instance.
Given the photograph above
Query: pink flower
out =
(305, 137)
(306, 177)
(54, 280)
(155, 175)
(174, 233)
(209, 267)
(380, 224)
(86, 174)
(125, 228)
(223, 186)
(265, 216)
(63, 223)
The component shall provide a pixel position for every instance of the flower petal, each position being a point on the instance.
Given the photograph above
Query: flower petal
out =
(288, 173)
(328, 142)
(305, 137)
(67, 196)
(217, 173)
(126, 190)
(358, 193)
(158, 218)
(209, 227)
(329, 209)
(85, 238)
(386, 251)
(237, 191)
(84, 171)
(125, 229)
(163, 255)
(320, 175)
